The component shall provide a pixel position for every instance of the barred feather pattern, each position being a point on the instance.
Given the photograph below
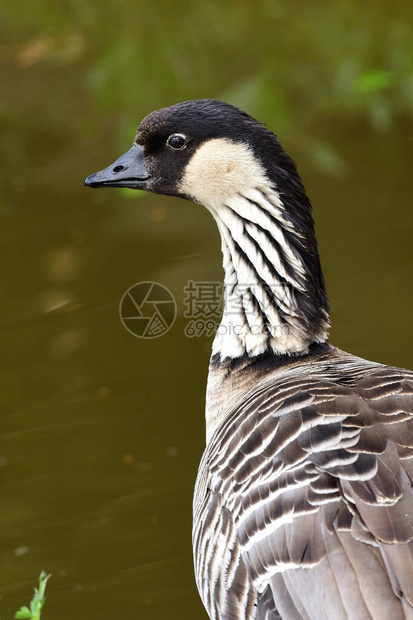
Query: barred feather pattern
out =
(304, 505)
(274, 291)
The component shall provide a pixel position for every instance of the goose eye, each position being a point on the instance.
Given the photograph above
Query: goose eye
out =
(177, 141)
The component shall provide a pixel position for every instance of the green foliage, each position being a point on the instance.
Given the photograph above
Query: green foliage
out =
(37, 603)
(296, 65)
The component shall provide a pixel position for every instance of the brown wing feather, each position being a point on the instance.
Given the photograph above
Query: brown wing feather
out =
(315, 470)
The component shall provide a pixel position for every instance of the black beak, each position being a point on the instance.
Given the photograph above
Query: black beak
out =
(127, 171)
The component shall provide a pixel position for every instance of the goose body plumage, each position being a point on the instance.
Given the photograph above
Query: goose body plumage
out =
(303, 506)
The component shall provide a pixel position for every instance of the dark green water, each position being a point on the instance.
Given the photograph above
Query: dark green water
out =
(102, 432)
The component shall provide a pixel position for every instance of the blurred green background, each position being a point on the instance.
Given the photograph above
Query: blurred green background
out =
(101, 432)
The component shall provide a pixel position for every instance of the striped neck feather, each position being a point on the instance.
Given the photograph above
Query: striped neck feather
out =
(275, 296)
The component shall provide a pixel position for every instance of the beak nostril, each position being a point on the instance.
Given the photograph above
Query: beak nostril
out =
(118, 168)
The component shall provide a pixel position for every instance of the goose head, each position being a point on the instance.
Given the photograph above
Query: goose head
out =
(201, 150)
(212, 153)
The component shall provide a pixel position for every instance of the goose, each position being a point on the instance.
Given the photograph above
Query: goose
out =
(303, 505)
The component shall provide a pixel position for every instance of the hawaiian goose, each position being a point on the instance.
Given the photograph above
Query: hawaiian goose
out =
(303, 504)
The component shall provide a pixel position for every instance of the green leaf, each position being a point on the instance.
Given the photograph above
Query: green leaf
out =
(42, 583)
(24, 612)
